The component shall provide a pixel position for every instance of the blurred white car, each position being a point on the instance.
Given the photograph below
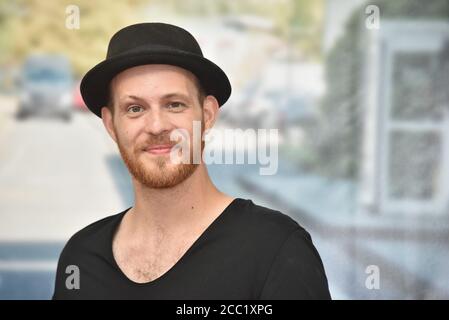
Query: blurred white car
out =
(45, 87)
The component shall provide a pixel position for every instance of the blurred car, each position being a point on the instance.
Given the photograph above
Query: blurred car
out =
(45, 87)
(78, 102)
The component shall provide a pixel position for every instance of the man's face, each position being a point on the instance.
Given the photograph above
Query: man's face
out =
(151, 101)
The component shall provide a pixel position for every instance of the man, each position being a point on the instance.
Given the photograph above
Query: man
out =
(183, 238)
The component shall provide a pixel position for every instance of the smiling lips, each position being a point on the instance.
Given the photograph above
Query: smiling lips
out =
(159, 149)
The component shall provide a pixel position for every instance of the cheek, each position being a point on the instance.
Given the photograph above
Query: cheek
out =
(126, 137)
(190, 121)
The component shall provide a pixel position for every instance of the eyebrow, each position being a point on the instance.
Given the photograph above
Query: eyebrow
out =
(176, 95)
(164, 97)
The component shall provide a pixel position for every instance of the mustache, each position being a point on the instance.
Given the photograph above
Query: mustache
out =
(162, 139)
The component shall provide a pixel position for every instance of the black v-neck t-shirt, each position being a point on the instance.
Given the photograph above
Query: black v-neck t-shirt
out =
(248, 252)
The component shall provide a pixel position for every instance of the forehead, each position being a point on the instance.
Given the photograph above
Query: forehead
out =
(154, 78)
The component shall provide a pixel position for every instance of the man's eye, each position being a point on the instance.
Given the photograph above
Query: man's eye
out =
(135, 109)
(176, 105)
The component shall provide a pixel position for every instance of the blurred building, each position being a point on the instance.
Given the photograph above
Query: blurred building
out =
(406, 136)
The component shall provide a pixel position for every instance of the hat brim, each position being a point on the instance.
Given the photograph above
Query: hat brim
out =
(94, 86)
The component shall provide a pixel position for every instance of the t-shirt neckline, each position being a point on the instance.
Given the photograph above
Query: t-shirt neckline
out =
(204, 235)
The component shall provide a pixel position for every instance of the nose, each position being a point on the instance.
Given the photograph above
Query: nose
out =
(156, 122)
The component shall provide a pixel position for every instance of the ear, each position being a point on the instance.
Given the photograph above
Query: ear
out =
(210, 111)
(106, 116)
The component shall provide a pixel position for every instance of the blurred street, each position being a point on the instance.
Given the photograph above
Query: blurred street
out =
(41, 161)
(47, 193)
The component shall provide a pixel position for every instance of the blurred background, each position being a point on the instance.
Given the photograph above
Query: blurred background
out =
(358, 90)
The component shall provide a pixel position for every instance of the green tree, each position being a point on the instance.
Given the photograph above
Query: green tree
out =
(35, 25)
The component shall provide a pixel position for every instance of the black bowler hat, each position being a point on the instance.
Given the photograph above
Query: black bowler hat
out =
(152, 43)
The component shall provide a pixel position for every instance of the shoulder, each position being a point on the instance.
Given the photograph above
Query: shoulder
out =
(286, 262)
(266, 231)
(91, 236)
(291, 267)
(272, 224)
(82, 251)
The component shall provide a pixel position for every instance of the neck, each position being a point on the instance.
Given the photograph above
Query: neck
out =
(192, 203)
